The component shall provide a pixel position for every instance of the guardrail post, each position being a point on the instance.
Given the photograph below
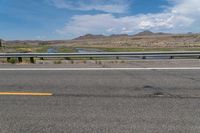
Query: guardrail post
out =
(8, 59)
(143, 57)
(67, 58)
(117, 57)
(32, 60)
(171, 57)
(20, 59)
(41, 58)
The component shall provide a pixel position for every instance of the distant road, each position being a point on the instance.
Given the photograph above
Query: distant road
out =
(111, 101)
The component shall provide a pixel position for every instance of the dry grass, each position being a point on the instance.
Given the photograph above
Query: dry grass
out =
(115, 44)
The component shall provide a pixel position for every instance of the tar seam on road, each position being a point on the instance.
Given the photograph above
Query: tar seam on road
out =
(168, 96)
(96, 69)
(25, 94)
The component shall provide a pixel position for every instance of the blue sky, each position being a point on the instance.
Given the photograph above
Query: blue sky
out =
(66, 19)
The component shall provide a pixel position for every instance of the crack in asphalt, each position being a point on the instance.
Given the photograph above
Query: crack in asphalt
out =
(154, 95)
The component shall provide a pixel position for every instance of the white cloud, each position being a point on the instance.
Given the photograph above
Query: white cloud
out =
(184, 16)
(111, 6)
(186, 7)
(41, 37)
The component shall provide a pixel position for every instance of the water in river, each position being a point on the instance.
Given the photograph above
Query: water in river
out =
(52, 50)
(86, 50)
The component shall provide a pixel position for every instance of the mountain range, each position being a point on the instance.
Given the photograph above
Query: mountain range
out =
(143, 33)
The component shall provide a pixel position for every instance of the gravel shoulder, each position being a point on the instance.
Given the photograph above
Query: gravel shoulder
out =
(109, 64)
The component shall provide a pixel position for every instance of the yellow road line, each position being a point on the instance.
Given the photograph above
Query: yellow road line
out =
(25, 94)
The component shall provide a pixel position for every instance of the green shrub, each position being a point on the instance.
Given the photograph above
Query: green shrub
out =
(84, 61)
(57, 62)
(12, 61)
(67, 58)
(72, 62)
(122, 61)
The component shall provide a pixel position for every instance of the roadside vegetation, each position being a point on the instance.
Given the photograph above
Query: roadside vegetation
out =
(63, 49)
(12, 60)
(118, 43)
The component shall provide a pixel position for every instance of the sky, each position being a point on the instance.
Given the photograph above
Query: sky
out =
(68, 19)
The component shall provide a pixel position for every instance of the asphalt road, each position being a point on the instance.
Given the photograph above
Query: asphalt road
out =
(125, 101)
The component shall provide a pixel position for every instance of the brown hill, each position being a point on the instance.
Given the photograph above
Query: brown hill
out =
(145, 33)
(118, 35)
(89, 36)
(150, 33)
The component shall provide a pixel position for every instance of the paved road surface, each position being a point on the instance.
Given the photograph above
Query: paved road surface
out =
(125, 101)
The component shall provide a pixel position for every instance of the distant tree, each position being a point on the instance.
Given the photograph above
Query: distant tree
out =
(1, 43)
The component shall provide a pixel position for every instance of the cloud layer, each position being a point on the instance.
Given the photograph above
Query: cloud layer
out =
(109, 6)
(182, 17)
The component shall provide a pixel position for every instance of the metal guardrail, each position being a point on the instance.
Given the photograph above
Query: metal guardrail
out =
(143, 55)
